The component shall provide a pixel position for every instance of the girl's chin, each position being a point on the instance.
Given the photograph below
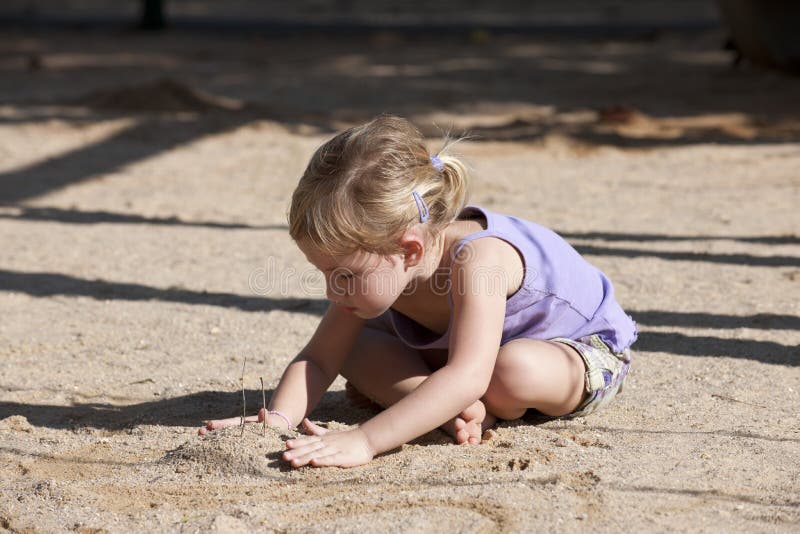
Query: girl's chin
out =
(354, 311)
(366, 314)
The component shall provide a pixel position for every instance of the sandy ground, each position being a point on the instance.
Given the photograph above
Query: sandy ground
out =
(144, 182)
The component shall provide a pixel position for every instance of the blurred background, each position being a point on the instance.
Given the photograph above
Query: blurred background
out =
(622, 73)
(506, 13)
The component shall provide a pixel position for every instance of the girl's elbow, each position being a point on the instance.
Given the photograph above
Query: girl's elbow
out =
(481, 388)
(475, 384)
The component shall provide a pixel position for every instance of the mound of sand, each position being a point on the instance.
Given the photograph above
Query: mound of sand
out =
(162, 95)
(15, 423)
(229, 452)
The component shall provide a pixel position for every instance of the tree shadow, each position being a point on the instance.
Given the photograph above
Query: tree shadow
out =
(149, 137)
(732, 259)
(190, 410)
(674, 343)
(49, 284)
(620, 236)
(763, 321)
(595, 133)
(75, 216)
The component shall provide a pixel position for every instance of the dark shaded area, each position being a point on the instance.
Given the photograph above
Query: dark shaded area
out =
(316, 82)
(191, 410)
(765, 321)
(591, 135)
(49, 284)
(152, 15)
(763, 351)
(187, 410)
(691, 135)
(75, 216)
(123, 148)
(347, 16)
(620, 236)
(733, 259)
(765, 32)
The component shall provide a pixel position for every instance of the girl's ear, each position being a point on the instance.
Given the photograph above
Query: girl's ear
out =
(413, 249)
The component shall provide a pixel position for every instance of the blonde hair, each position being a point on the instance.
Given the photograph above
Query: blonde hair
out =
(356, 192)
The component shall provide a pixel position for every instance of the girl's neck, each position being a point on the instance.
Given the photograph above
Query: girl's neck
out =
(437, 256)
(432, 260)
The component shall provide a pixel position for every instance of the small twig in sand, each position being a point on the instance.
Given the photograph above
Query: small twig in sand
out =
(244, 400)
(264, 405)
(725, 397)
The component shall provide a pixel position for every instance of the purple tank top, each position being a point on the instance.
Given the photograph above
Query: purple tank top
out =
(562, 295)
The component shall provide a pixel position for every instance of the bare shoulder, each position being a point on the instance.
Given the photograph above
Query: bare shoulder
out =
(490, 260)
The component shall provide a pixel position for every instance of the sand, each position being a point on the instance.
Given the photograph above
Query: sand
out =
(144, 182)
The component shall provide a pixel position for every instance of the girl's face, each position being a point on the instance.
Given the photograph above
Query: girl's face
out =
(365, 284)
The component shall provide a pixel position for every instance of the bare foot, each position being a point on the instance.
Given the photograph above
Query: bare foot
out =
(488, 423)
(469, 425)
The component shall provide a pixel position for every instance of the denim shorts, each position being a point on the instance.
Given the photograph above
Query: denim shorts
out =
(605, 371)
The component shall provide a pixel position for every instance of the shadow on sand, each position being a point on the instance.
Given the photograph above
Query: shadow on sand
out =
(186, 410)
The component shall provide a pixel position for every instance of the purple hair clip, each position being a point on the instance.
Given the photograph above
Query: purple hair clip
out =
(437, 163)
(421, 206)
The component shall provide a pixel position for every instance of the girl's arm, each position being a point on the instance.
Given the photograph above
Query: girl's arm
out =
(310, 374)
(479, 302)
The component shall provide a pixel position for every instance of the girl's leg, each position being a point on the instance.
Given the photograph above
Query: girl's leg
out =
(385, 370)
(545, 375)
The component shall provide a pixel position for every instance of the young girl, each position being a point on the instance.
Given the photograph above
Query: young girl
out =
(446, 315)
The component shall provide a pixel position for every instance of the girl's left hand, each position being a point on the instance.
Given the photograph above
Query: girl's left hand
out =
(347, 448)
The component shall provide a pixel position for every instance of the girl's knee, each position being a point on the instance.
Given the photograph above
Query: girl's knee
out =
(532, 374)
(503, 396)
(502, 400)
(501, 408)
(517, 365)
